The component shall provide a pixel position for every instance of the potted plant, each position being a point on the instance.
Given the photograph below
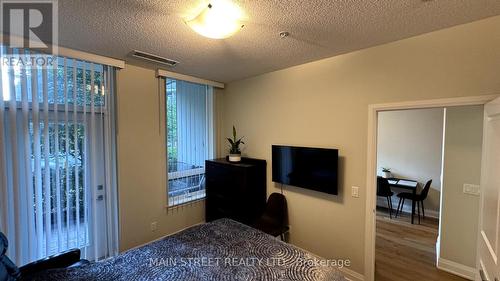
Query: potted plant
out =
(235, 152)
(387, 173)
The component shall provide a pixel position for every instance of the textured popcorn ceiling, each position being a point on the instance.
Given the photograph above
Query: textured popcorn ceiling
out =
(318, 29)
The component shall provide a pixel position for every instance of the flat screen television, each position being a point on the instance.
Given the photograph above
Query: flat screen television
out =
(306, 167)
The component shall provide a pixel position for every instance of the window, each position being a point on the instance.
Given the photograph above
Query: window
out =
(189, 139)
(55, 126)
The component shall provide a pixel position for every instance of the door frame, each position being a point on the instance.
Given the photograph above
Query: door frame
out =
(371, 174)
(482, 236)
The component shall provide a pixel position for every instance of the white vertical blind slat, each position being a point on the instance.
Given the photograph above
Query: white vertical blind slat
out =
(211, 128)
(29, 211)
(192, 127)
(46, 150)
(4, 153)
(56, 153)
(85, 156)
(37, 162)
(66, 150)
(3, 176)
(185, 128)
(12, 187)
(93, 175)
(207, 123)
(76, 154)
(107, 139)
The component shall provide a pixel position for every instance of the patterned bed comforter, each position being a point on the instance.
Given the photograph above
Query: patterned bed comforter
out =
(217, 251)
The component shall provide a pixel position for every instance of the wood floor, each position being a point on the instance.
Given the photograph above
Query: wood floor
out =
(406, 252)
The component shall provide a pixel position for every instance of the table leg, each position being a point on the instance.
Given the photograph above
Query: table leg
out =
(413, 205)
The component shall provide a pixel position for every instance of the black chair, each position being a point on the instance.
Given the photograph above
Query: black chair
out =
(9, 271)
(384, 190)
(418, 198)
(275, 217)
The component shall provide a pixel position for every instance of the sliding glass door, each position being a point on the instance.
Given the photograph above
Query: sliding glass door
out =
(56, 160)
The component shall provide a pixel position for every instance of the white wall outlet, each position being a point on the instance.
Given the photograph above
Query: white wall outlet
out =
(472, 189)
(154, 226)
(355, 192)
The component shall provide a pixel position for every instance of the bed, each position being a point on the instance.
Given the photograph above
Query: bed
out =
(220, 250)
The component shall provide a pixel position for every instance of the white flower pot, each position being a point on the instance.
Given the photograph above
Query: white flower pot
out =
(387, 175)
(234, 157)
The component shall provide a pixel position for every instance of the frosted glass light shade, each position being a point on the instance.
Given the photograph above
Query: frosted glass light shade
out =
(219, 20)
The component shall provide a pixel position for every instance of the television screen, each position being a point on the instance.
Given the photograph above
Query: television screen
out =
(306, 167)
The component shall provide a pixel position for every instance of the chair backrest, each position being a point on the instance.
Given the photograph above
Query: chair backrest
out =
(383, 187)
(8, 270)
(425, 191)
(276, 208)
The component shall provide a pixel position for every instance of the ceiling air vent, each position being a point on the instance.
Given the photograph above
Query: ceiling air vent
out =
(154, 58)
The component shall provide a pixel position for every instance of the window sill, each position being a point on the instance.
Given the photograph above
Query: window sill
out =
(180, 200)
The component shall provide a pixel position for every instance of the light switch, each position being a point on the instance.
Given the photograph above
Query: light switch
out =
(355, 192)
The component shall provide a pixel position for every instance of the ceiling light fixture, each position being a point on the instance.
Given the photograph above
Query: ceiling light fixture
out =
(218, 20)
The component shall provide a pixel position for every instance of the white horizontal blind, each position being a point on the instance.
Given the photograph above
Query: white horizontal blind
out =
(57, 171)
(189, 139)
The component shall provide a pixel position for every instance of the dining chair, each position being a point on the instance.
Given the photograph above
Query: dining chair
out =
(274, 219)
(418, 198)
(384, 190)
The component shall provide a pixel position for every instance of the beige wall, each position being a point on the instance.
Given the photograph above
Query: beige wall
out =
(410, 143)
(141, 156)
(462, 164)
(325, 103)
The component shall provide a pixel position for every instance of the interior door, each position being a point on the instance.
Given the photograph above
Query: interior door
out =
(488, 238)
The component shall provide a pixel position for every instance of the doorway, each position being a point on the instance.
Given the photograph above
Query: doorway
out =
(424, 163)
(374, 110)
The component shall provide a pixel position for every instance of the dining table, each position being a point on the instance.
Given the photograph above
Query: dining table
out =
(407, 184)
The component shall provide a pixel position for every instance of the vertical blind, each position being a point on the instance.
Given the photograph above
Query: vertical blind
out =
(57, 172)
(189, 136)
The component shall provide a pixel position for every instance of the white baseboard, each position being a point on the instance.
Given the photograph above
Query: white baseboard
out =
(452, 267)
(351, 274)
(438, 249)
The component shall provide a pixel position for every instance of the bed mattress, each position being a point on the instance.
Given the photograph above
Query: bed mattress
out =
(220, 250)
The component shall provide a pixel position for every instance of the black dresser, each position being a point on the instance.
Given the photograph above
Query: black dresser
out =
(235, 190)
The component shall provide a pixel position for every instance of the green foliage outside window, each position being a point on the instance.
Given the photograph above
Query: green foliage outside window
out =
(171, 121)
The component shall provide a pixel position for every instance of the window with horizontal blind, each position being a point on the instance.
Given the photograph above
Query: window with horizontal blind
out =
(189, 139)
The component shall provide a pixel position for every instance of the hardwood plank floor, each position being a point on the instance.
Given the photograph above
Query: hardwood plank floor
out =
(406, 252)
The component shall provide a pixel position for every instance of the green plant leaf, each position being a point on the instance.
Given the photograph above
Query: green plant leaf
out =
(230, 141)
(234, 132)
